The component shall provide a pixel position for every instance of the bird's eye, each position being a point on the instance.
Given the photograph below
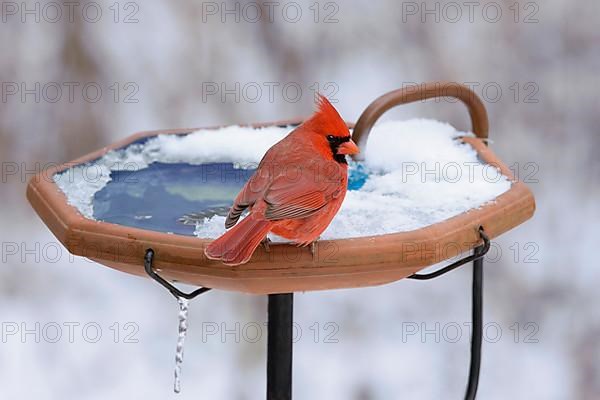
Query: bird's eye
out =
(331, 138)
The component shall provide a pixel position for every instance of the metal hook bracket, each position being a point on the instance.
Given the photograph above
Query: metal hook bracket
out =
(148, 260)
(478, 253)
(476, 308)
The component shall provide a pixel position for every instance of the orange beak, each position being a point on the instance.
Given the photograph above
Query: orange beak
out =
(348, 148)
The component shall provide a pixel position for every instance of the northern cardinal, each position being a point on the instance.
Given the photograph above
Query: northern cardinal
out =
(296, 190)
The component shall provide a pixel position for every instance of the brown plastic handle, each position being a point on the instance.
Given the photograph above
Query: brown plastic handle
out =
(421, 92)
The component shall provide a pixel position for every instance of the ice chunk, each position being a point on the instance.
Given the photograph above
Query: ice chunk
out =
(182, 329)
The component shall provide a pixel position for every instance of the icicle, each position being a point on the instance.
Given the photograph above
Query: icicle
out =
(183, 314)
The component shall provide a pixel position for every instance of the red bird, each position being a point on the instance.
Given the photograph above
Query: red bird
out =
(296, 190)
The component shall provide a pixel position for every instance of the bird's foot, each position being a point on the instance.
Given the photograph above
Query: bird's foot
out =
(313, 247)
(266, 243)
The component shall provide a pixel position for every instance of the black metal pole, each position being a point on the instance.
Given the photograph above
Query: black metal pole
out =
(477, 335)
(279, 346)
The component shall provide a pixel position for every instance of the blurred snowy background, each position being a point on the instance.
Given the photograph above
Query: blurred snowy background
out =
(76, 76)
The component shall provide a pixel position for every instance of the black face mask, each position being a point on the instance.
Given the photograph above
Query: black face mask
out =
(334, 144)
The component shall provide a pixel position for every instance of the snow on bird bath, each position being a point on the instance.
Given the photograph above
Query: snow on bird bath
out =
(415, 174)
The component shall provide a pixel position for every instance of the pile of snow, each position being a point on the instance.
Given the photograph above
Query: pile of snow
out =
(418, 174)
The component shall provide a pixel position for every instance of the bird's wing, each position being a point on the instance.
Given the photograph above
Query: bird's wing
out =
(251, 192)
(301, 194)
(256, 185)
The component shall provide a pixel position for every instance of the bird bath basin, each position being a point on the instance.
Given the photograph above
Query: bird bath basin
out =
(166, 190)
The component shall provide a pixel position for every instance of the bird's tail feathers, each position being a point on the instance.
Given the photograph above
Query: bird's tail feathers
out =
(237, 245)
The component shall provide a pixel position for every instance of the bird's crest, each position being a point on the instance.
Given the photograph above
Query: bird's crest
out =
(324, 107)
(327, 118)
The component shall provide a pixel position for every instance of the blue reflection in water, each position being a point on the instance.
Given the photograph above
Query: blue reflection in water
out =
(357, 176)
(158, 197)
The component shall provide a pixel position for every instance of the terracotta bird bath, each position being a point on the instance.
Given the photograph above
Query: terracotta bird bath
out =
(168, 251)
